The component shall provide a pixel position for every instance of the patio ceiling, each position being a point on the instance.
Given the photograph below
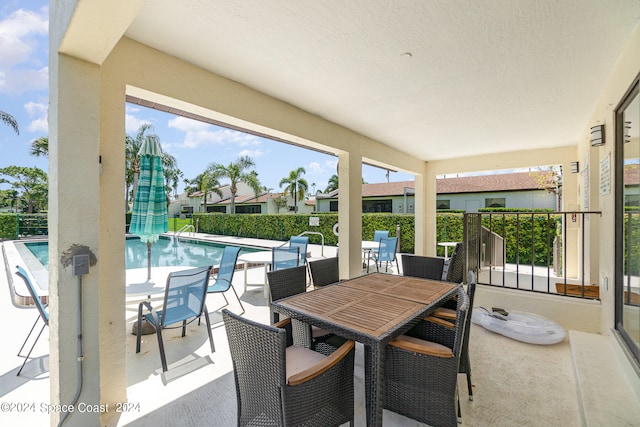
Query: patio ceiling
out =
(437, 78)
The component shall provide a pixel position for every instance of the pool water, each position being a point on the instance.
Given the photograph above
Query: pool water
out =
(165, 252)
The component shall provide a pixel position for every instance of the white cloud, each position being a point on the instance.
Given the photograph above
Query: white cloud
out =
(39, 125)
(23, 51)
(315, 167)
(251, 153)
(133, 123)
(198, 134)
(20, 80)
(39, 111)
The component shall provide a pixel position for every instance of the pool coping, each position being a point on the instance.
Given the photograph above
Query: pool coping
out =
(15, 253)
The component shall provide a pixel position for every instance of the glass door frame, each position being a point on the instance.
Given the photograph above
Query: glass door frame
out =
(627, 99)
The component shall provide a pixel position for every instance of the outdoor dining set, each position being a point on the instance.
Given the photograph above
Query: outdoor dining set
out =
(298, 369)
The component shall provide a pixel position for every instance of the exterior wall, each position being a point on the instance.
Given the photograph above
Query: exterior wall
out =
(601, 244)
(533, 199)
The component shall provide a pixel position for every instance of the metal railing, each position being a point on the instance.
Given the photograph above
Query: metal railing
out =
(534, 251)
(185, 228)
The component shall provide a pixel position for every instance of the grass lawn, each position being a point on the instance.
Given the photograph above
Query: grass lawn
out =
(176, 224)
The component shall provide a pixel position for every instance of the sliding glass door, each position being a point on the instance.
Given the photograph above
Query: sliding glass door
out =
(628, 218)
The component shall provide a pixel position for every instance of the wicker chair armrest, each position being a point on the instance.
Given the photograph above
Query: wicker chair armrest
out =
(421, 346)
(282, 323)
(440, 321)
(445, 313)
(319, 368)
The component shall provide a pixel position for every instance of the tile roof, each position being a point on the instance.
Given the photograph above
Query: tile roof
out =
(519, 181)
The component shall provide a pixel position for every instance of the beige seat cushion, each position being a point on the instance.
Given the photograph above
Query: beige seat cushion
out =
(300, 358)
(318, 332)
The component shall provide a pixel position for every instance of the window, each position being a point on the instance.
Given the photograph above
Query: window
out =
(248, 209)
(495, 202)
(333, 206)
(443, 204)
(217, 208)
(377, 206)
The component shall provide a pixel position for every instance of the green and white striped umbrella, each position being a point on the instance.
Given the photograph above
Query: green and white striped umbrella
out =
(149, 217)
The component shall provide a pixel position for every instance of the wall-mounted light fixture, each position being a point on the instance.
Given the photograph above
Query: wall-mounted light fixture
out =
(575, 167)
(597, 135)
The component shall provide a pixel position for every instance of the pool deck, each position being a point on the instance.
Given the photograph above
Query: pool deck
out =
(574, 383)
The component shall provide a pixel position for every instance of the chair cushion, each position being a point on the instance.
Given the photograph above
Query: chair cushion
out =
(318, 332)
(300, 358)
(421, 346)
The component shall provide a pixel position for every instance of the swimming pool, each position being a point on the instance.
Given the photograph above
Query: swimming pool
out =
(166, 252)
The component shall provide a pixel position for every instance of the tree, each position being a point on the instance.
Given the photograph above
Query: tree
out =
(171, 174)
(280, 202)
(209, 184)
(30, 183)
(332, 184)
(40, 147)
(9, 198)
(132, 147)
(237, 172)
(8, 120)
(295, 185)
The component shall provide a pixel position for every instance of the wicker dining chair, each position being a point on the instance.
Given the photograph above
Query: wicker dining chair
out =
(422, 266)
(421, 370)
(449, 315)
(455, 265)
(324, 271)
(278, 385)
(292, 281)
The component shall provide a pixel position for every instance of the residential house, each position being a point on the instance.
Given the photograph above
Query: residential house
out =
(527, 190)
(266, 203)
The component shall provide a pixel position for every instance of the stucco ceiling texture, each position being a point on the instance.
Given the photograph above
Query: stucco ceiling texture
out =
(436, 78)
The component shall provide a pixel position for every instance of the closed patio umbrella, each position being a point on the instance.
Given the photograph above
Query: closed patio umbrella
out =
(149, 217)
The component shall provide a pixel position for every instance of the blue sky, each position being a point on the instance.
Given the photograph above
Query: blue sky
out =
(24, 93)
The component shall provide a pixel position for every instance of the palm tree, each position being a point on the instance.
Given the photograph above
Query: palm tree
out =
(8, 120)
(132, 147)
(237, 172)
(332, 184)
(171, 173)
(295, 185)
(205, 183)
(40, 147)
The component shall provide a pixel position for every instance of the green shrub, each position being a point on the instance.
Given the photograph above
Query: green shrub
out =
(8, 226)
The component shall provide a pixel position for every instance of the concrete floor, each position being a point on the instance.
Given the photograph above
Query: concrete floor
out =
(573, 383)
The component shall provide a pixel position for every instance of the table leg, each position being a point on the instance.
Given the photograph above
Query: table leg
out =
(374, 376)
(245, 275)
(266, 282)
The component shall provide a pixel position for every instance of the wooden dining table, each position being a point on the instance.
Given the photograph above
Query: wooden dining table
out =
(373, 309)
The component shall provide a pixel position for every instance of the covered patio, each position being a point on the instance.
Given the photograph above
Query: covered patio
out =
(514, 383)
(428, 88)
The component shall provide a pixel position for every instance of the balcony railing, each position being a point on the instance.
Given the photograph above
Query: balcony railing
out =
(541, 252)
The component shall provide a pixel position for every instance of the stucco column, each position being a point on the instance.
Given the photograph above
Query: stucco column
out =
(425, 213)
(350, 214)
(74, 202)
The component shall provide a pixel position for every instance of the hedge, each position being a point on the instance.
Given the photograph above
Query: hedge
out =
(8, 226)
(449, 228)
